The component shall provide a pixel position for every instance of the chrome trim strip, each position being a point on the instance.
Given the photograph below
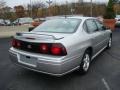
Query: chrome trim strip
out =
(98, 52)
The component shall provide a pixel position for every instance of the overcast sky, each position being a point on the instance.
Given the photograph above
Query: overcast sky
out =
(13, 3)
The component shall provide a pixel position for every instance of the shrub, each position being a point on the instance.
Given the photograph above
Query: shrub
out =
(110, 14)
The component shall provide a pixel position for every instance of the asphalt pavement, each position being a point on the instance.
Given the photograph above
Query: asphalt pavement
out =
(104, 73)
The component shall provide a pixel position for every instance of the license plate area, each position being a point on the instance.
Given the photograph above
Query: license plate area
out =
(28, 60)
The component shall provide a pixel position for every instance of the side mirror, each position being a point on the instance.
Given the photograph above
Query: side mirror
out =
(31, 28)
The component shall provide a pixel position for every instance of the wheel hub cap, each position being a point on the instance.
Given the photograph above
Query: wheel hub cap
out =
(110, 42)
(86, 62)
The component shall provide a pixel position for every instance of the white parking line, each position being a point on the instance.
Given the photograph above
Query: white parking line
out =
(106, 84)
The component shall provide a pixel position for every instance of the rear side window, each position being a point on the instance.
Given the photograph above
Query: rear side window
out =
(99, 25)
(85, 27)
(91, 25)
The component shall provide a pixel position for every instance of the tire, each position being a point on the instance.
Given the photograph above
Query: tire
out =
(85, 63)
(109, 45)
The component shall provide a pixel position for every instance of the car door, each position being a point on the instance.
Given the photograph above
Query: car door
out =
(104, 35)
(94, 34)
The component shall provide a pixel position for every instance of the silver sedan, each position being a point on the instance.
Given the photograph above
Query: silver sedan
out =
(61, 45)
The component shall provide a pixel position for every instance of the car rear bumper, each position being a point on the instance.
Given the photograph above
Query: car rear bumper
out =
(56, 66)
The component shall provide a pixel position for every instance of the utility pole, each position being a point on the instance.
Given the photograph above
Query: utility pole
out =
(91, 11)
(80, 1)
(31, 8)
(49, 3)
(66, 8)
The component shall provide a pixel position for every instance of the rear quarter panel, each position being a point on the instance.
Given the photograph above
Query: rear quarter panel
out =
(76, 44)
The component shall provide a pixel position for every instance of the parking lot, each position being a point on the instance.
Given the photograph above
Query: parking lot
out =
(104, 73)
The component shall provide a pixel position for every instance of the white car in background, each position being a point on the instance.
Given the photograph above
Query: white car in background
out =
(117, 20)
(2, 23)
(23, 21)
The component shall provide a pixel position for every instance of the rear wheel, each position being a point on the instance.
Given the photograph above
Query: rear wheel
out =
(85, 63)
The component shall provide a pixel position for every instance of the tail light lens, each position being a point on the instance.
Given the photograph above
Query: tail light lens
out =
(53, 49)
(16, 43)
(44, 48)
(58, 49)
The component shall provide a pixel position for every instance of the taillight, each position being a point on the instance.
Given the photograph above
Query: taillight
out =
(58, 49)
(44, 48)
(16, 43)
(52, 49)
(55, 49)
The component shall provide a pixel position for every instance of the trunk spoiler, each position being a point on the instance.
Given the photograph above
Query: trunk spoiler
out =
(25, 34)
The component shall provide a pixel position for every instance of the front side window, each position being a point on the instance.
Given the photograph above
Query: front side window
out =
(58, 26)
(91, 25)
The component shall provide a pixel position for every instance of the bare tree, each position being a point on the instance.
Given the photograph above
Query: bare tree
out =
(35, 7)
(2, 4)
(20, 11)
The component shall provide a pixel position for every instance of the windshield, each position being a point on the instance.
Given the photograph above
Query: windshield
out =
(117, 16)
(58, 26)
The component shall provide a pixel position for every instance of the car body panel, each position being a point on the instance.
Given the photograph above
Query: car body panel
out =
(75, 44)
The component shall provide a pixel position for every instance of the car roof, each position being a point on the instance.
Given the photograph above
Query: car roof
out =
(81, 17)
(72, 17)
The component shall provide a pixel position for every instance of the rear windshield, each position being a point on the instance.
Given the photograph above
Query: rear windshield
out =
(58, 26)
